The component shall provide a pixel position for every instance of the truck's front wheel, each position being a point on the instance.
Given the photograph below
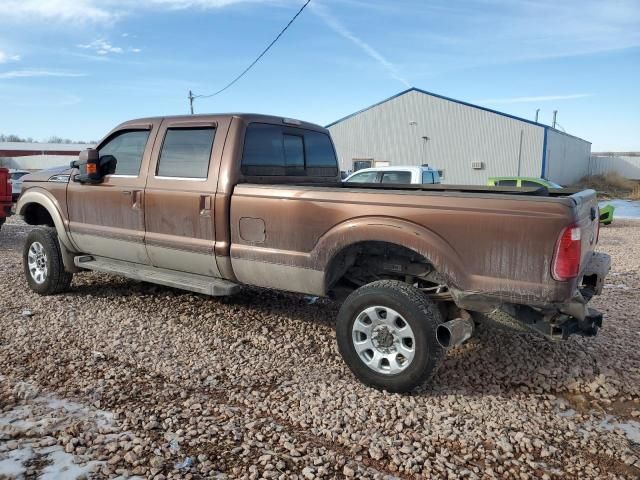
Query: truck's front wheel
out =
(43, 265)
(386, 334)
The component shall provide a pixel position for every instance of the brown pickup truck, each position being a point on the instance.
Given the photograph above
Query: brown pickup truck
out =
(208, 203)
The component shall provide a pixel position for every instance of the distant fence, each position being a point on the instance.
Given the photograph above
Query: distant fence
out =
(626, 165)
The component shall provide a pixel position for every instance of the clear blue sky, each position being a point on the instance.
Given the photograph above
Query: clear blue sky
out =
(76, 68)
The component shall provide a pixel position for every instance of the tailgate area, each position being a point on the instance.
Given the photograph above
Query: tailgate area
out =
(588, 219)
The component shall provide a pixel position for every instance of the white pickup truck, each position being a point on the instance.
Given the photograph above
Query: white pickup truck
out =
(401, 175)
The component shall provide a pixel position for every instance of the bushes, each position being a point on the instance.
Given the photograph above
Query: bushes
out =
(611, 185)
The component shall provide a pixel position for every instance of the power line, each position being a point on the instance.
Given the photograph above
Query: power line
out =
(192, 96)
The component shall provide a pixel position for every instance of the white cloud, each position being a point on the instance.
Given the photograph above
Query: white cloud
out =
(541, 98)
(205, 4)
(56, 10)
(5, 57)
(101, 47)
(479, 33)
(340, 29)
(100, 11)
(38, 73)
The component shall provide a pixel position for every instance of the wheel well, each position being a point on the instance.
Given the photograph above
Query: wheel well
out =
(36, 214)
(366, 262)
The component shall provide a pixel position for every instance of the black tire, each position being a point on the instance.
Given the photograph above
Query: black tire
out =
(57, 279)
(417, 310)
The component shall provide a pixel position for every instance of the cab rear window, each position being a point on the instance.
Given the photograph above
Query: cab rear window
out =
(274, 150)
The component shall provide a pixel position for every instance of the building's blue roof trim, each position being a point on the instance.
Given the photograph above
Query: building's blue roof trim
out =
(414, 89)
(560, 132)
(544, 154)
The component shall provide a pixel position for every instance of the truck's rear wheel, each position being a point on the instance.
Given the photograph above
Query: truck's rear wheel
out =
(386, 334)
(42, 262)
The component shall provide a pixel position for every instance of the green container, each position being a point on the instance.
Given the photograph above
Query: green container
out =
(606, 214)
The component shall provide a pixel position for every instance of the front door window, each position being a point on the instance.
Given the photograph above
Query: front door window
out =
(127, 148)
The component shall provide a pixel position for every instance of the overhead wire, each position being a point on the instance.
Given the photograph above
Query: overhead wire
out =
(258, 57)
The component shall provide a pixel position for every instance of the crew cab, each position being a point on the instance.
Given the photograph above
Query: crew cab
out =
(209, 203)
(5, 195)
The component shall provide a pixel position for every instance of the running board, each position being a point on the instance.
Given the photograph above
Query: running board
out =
(215, 287)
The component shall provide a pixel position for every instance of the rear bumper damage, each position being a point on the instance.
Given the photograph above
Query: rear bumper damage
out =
(560, 320)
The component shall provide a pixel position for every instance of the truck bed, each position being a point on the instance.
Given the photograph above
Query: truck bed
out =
(495, 241)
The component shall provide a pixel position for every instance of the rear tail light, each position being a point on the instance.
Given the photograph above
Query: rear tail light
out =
(566, 261)
(598, 227)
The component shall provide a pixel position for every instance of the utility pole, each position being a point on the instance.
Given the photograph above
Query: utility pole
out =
(555, 114)
(537, 113)
(191, 97)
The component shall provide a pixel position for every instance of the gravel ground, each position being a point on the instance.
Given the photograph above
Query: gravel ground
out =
(119, 378)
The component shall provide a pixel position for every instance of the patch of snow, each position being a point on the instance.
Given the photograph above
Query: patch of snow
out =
(563, 410)
(63, 468)
(12, 465)
(39, 416)
(570, 412)
(631, 428)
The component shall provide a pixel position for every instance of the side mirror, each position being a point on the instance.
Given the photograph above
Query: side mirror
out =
(108, 165)
(89, 165)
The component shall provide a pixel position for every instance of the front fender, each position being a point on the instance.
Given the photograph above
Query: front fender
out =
(45, 199)
(391, 230)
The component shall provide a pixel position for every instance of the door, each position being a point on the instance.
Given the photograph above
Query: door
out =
(180, 191)
(107, 219)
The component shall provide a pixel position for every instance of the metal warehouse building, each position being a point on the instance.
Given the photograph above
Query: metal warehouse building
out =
(466, 142)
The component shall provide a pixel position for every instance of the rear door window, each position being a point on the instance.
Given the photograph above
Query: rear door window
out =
(396, 177)
(274, 150)
(506, 183)
(186, 153)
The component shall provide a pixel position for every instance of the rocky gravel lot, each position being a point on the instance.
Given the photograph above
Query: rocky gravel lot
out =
(119, 379)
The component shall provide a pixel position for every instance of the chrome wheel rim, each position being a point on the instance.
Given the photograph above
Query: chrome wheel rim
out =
(383, 340)
(37, 262)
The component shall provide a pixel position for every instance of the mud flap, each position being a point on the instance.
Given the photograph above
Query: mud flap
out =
(596, 271)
